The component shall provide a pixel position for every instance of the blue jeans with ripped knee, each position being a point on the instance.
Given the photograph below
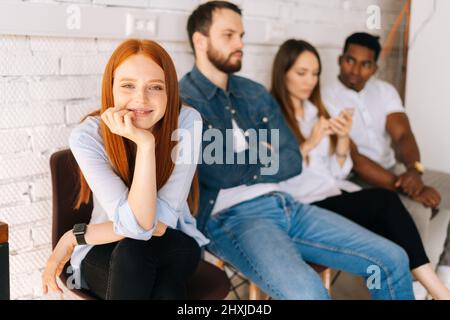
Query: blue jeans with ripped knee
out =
(271, 238)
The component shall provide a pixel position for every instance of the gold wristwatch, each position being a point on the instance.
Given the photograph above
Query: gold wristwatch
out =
(418, 166)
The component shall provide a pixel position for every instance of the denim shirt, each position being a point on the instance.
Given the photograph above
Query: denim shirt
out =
(252, 107)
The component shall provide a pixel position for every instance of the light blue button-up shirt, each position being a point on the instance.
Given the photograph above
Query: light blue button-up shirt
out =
(110, 194)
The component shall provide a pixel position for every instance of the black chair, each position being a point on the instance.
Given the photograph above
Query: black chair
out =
(4, 262)
(208, 282)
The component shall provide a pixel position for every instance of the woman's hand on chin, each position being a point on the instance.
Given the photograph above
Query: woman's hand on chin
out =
(120, 122)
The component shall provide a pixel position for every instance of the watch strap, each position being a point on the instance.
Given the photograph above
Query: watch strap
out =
(79, 231)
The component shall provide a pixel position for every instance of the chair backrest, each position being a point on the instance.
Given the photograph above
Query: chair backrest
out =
(65, 187)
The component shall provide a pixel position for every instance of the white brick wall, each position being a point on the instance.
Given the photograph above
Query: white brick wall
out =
(13, 193)
(47, 84)
(77, 109)
(25, 212)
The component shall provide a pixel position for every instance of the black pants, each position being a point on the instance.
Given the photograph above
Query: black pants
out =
(136, 269)
(382, 212)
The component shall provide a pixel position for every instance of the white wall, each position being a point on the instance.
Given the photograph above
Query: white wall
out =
(428, 82)
(48, 83)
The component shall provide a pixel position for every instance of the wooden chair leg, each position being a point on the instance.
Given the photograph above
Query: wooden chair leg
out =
(326, 278)
(220, 264)
(254, 293)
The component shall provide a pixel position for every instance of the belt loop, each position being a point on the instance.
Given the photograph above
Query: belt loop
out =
(281, 198)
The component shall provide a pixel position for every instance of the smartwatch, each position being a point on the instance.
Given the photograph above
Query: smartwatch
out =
(79, 231)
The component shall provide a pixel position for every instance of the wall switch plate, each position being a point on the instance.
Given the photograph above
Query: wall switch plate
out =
(141, 25)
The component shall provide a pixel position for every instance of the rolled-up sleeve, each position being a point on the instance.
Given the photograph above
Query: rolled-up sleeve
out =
(166, 213)
(107, 187)
(125, 223)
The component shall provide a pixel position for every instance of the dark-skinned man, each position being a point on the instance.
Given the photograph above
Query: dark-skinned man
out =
(384, 150)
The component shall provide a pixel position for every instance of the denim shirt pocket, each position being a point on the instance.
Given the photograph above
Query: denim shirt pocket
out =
(263, 119)
(213, 122)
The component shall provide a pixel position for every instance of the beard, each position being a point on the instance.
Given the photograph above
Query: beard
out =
(221, 63)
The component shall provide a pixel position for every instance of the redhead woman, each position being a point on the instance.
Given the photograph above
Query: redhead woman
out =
(325, 145)
(142, 241)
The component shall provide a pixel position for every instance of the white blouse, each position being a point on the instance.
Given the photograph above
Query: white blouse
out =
(322, 176)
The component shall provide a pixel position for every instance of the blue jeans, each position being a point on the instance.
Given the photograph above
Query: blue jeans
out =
(269, 239)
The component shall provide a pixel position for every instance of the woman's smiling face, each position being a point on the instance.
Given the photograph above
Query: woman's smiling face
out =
(139, 86)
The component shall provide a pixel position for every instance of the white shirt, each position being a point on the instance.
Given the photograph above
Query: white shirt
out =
(110, 194)
(371, 106)
(322, 176)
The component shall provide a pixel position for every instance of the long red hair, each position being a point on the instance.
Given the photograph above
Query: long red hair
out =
(121, 152)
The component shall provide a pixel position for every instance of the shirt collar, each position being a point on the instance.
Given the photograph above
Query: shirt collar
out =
(233, 87)
(208, 88)
(360, 93)
(310, 110)
(310, 113)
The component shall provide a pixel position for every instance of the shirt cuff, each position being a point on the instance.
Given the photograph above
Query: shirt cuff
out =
(166, 214)
(338, 171)
(125, 223)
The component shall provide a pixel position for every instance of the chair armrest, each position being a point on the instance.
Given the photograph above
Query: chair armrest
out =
(3, 232)
(4, 262)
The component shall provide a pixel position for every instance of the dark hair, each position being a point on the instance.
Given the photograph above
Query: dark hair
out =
(201, 19)
(366, 40)
(284, 60)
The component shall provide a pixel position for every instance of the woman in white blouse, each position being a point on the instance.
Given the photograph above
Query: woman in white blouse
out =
(142, 241)
(325, 145)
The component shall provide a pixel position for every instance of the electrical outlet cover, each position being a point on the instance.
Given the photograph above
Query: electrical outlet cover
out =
(141, 25)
